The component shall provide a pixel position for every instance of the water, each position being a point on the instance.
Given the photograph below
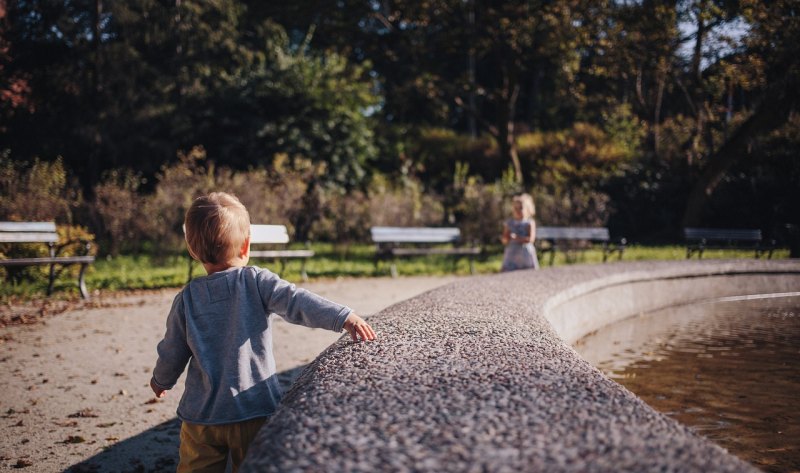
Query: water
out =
(730, 370)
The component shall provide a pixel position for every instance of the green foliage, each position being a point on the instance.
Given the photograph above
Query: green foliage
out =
(571, 167)
(118, 207)
(311, 106)
(37, 191)
(609, 111)
(436, 150)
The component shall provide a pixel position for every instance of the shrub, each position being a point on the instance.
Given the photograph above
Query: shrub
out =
(403, 204)
(118, 210)
(568, 168)
(38, 191)
(177, 185)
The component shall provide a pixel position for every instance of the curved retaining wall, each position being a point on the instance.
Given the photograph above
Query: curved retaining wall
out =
(479, 376)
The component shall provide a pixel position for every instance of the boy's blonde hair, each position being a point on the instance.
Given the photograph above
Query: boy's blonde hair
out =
(528, 209)
(216, 227)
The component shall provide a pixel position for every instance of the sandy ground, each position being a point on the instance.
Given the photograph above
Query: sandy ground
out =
(75, 385)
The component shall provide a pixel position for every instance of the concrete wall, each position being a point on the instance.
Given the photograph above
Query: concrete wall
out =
(479, 375)
(587, 307)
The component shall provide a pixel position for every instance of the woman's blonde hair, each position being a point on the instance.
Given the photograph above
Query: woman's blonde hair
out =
(216, 227)
(528, 208)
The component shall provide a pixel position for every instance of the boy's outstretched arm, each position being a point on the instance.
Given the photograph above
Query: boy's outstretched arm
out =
(358, 327)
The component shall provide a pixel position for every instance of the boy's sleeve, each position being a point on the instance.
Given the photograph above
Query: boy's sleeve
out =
(299, 306)
(173, 350)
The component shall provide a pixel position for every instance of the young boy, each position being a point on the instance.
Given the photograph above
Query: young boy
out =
(219, 325)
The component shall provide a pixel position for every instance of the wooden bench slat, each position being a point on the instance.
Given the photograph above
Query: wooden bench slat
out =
(46, 227)
(722, 234)
(46, 260)
(415, 234)
(28, 237)
(572, 233)
(434, 251)
(281, 253)
(268, 234)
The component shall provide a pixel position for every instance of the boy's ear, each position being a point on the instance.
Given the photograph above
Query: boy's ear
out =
(245, 250)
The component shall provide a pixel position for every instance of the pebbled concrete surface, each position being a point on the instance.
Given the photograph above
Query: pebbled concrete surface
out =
(472, 377)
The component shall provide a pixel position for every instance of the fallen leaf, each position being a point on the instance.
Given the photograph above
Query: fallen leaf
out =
(107, 425)
(84, 413)
(74, 439)
(152, 401)
(67, 423)
(23, 463)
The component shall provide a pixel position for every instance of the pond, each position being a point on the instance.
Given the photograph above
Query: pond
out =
(729, 369)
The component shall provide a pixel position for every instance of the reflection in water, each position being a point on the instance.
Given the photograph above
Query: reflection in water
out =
(729, 370)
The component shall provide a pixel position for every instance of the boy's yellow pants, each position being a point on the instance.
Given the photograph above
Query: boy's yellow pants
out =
(205, 448)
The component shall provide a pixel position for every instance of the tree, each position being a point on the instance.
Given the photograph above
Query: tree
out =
(773, 40)
(453, 61)
(128, 84)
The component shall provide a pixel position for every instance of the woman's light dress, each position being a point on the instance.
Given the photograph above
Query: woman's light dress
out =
(519, 255)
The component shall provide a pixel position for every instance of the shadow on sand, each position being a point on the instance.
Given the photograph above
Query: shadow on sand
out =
(154, 450)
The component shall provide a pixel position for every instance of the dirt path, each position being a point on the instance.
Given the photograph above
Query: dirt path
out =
(75, 392)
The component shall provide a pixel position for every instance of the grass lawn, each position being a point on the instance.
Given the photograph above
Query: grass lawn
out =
(331, 261)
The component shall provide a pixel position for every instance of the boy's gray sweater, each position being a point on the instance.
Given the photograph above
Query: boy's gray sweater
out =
(220, 325)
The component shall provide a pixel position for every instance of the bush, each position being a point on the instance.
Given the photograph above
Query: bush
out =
(403, 204)
(569, 166)
(118, 210)
(38, 191)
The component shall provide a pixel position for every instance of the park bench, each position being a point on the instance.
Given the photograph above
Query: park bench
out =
(45, 232)
(420, 241)
(570, 239)
(701, 239)
(273, 235)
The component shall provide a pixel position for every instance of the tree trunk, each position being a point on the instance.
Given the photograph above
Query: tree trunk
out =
(506, 134)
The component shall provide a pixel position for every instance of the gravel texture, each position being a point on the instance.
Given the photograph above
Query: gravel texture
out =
(472, 377)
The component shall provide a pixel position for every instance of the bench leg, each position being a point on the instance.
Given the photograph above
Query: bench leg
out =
(82, 282)
(393, 269)
(52, 279)
(303, 274)
(471, 265)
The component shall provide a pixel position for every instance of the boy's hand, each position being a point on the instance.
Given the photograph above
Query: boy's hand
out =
(158, 391)
(358, 327)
